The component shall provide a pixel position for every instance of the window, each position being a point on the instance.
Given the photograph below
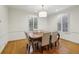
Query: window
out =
(63, 23)
(33, 23)
(59, 26)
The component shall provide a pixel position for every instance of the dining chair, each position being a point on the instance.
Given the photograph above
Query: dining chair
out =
(33, 44)
(45, 41)
(29, 43)
(27, 36)
(55, 39)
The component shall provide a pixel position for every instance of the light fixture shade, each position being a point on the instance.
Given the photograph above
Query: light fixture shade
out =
(42, 14)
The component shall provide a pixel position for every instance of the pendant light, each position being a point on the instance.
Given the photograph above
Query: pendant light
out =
(43, 13)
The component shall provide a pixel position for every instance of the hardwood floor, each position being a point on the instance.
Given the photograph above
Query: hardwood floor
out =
(19, 47)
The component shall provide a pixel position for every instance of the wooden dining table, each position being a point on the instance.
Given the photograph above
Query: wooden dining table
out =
(35, 36)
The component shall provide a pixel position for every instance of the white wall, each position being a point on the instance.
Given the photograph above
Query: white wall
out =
(52, 23)
(73, 34)
(42, 24)
(19, 22)
(3, 26)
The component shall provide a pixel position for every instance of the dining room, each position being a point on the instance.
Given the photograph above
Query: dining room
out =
(40, 29)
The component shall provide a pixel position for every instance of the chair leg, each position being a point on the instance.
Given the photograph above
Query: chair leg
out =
(41, 49)
(58, 43)
(37, 46)
(28, 48)
(55, 44)
(48, 47)
(33, 46)
(51, 45)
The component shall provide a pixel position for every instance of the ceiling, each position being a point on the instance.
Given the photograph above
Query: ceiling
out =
(36, 8)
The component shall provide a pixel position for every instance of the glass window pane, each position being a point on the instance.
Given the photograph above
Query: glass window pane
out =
(35, 23)
(65, 23)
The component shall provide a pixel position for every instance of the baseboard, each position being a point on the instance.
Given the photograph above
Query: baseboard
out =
(70, 41)
(3, 46)
(17, 39)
